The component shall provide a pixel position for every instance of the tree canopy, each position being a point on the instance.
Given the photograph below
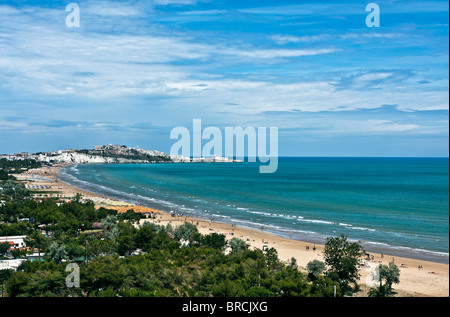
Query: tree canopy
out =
(117, 258)
(342, 256)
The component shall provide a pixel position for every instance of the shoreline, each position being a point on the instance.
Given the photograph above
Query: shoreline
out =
(431, 280)
(310, 237)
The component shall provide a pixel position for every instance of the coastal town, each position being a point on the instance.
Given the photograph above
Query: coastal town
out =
(111, 154)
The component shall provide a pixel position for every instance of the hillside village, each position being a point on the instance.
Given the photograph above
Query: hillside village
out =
(106, 154)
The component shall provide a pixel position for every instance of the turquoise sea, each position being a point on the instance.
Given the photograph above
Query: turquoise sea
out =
(398, 206)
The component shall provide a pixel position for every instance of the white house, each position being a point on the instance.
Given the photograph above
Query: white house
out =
(10, 264)
(15, 241)
(35, 256)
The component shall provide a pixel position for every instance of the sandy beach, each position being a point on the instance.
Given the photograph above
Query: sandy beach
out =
(417, 277)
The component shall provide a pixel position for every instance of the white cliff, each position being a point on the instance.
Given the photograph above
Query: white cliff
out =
(117, 154)
(80, 158)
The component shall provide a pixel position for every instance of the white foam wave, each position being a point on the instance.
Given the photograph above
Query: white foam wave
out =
(363, 229)
(407, 249)
(317, 221)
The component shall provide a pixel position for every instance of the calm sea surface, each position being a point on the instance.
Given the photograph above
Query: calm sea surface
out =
(396, 205)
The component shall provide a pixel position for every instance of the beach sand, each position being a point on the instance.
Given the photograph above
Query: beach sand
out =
(431, 280)
(413, 281)
(47, 176)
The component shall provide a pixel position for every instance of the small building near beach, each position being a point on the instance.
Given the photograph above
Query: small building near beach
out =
(10, 264)
(15, 241)
(35, 257)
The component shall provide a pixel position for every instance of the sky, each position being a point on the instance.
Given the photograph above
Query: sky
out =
(135, 69)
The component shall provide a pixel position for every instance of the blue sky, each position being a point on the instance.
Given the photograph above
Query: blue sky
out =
(136, 69)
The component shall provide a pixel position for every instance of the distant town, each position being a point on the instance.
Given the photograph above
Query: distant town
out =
(104, 154)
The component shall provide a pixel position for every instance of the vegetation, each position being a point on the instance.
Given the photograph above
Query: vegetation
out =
(315, 269)
(164, 268)
(4, 247)
(389, 274)
(342, 256)
(120, 259)
(238, 245)
(18, 165)
(11, 190)
(4, 176)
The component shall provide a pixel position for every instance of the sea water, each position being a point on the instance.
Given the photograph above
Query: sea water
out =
(393, 205)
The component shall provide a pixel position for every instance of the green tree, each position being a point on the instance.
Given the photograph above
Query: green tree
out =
(131, 216)
(390, 274)
(214, 240)
(17, 283)
(186, 231)
(272, 258)
(4, 247)
(237, 245)
(125, 244)
(36, 240)
(341, 256)
(15, 228)
(293, 263)
(315, 268)
(96, 247)
(78, 198)
(109, 226)
(46, 283)
(228, 288)
(325, 287)
(4, 175)
(57, 253)
(103, 272)
(380, 291)
(5, 274)
(16, 191)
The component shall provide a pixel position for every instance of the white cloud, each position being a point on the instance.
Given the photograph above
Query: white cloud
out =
(286, 38)
(326, 8)
(52, 60)
(6, 10)
(281, 53)
(42, 60)
(374, 76)
(372, 35)
(176, 2)
(102, 8)
(383, 126)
